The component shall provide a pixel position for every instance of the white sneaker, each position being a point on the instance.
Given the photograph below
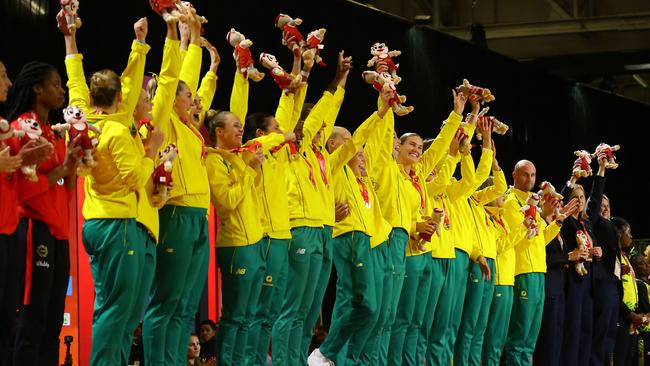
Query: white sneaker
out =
(318, 359)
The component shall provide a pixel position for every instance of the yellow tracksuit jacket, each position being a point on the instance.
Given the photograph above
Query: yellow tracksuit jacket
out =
(232, 183)
(484, 227)
(506, 238)
(530, 254)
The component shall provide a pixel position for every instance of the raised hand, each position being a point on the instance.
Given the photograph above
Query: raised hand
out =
(569, 209)
(141, 27)
(459, 102)
(455, 142)
(386, 96)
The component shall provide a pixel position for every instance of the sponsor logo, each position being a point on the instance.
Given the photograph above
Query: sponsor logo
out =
(301, 251)
(130, 252)
(240, 271)
(60, 181)
(169, 250)
(43, 264)
(359, 265)
(524, 295)
(498, 294)
(41, 250)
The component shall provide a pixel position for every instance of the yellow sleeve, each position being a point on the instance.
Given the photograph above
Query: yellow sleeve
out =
(224, 190)
(77, 88)
(345, 152)
(515, 235)
(191, 69)
(330, 119)
(463, 188)
(206, 92)
(239, 97)
(514, 218)
(489, 194)
(482, 171)
(440, 145)
(163, 100)
(284, 111)
(550, 231)
(298, 102)
(132, 77)
(315, 119)
(270, 141)
(379, 148)
(134, 168)
(439, 184)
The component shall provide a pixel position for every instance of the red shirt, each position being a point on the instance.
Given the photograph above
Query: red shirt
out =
(40, 201)
(9, 194)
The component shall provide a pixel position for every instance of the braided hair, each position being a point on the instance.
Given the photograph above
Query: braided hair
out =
(21, 96)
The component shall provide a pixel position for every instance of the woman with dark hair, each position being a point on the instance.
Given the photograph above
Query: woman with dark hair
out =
(207, 334)
(42, 233)
(630, 319)
(607, 272)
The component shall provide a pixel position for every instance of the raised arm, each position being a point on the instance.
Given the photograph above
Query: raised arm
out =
(163, 100)
(209, 82)
(79, 94)
(239, 97)
(191, 68)
(438, 149)
(597, 192)
(133, 74)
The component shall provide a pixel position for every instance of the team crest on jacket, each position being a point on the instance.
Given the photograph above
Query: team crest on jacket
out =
(41, 250)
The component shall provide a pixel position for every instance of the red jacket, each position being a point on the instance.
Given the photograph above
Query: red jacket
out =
(40, 201)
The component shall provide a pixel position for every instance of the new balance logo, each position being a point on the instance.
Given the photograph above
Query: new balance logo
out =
(301, 251)
(240, 271)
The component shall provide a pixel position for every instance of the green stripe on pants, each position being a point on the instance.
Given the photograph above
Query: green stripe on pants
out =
(527, 309)
(483, 318)
(397, 248)
(414, 275)
(321, 288)
(305, 261)
(115, 248)
(242, 273)
(383, 291)
(477, 289)
(439, 274)
(273, 291)
(146, 275)
(497, 329)
(356, 308)
(180, 257)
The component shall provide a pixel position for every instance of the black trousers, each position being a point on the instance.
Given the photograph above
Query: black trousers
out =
(578, 319)
(46, 273)
(625, 347)
(9, 294)
(606, 305)
(549, 341)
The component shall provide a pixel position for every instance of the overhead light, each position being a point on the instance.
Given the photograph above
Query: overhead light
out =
(422, 19)
(637, 67)
(639, 79)
(34, 7)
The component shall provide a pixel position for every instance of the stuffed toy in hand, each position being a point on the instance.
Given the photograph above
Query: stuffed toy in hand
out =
(438, 217)
(169, 10)
(162, 175)
(583, 244)
(28, 124)
(384, 80)
(289, 27)
(76, 125)
(242, 55)
(380, 52)
(608, 150)
(314, 45)
(472, 92)
(201, 18)
(7, 132)
(285, 81)
(582, 167)
(547, 192)
(530, 215)
(70, 8)
(498, 127)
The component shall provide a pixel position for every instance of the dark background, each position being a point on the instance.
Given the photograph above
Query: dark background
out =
(550, 117)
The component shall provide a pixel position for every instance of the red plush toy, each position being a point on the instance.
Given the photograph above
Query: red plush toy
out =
(289, 27)
(169, 10)
(482, 95)
(242, 55)
(608, 150)
(77, 126)
(530, 215)
(28, 124)
(162, 175)
(582, 167)
(314, 45)
(380, 52)
(384, 80)
(285, 81)
(7, 132)
(584, 244)
(70, 8)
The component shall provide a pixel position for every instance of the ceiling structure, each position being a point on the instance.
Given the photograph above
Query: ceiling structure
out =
(602, 43)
